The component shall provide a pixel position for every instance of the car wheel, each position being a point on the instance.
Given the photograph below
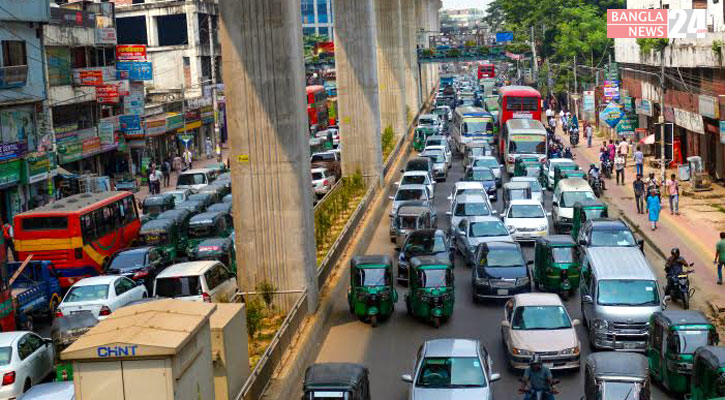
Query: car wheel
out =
(27, 385)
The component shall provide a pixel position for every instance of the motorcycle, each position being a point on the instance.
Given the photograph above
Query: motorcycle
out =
(679, 287)
(539, 394)
(607, 168)
(574, 137)
(596, 184)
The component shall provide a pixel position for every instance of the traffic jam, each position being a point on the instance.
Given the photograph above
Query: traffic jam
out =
(528, 226)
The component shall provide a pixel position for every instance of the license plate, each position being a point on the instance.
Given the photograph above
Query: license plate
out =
(80, 312)
(549, 365)
(629, 345)
(502, 292)
(151, 238)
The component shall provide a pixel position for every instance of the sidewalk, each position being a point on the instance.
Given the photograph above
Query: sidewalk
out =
(695, 231)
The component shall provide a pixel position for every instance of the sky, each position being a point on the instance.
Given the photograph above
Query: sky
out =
(465, 4)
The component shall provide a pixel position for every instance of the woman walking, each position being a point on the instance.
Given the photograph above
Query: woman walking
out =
(653, 207)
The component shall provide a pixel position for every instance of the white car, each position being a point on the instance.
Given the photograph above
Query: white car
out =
(100, 295)
(322, 181)
(537, 193)
(417, 178)
(445, 149)
(550, 166)
(468, 205)
(469, 187)
(208, 281)
(407, 193)
(26, 359)
(526, 219)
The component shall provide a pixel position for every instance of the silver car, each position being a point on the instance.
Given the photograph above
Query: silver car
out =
(417, 178)
(473, 231)
(440, 163)
(468, 205)
(490, 162)
(452, 369)
(409, 193)
(26, 359)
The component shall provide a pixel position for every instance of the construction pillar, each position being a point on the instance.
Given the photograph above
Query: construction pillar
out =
(263, 62)
(411, 57)
(421, 12)
(391, 75)
(358, 101)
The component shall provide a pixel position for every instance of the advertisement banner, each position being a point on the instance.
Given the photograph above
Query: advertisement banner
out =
(503, 37)
(174, 121)
(643, 107)
(611, 90)
(107, 94)
(106, 36)
(59, 71)
(690, 121)
(657, 23)
(91, 145)
(155, 127)
(588, 105)
(722, 132)
(69, 149)
(9, 151)
(131, 52)
(709, 106)
(71, 17)
(106, 130)
(90, 77)
(627, 125)
(207, 115)
(16, 124)
(10, 173)
(38, 166)
(612, 114)
(130, 122)
(136, 70)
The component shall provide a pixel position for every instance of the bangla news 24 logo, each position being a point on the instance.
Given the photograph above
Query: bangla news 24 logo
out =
(657, 23)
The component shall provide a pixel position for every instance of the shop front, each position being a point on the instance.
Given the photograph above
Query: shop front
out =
(39, 169)
(189, 135)
(11, 194)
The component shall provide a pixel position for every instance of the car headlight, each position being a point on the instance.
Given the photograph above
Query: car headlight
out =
(521, 352)
(511, 228)
(600, 325)
(482, 281)
(522, 281)
(570, 351)
(543, 227)
(564, 219)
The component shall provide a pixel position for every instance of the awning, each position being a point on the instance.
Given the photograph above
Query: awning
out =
(648, 140)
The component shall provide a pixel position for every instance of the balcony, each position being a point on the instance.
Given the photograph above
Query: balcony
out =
(13, 76)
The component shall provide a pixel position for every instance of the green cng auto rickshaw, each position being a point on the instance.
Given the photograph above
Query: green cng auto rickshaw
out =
(615, 375)
(419, 137)
(556, 264)
(336, 381)
(708, 374)
(156, 204)
(219, 190)
(406, 220)
(208, 225)
(220, 249)
(205, 198)
(181, 216)
(586, 210)
(163, 234)
(225, 207)
(559, 172)
(524, 162)
(431, 293)
(674, 335)
(194, 207)
(371, 295)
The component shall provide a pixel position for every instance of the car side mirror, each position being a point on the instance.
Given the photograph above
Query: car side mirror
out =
(505, 324)
(495, 377)
(448, 213)
(583, 242)
(587, 299)
(391, 197)
(406, 378)
(640, 243)
(530, 262)
(575, 322)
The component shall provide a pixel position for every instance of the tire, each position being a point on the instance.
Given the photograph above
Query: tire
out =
(52, 307)
(564, 295)
(436, 322)
(26, 385)
(686, 301)
(374, 321)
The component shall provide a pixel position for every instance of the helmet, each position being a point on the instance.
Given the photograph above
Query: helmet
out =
(536, 359)
(592, 165)
(652, 174)
(568, 149)
(675, 252)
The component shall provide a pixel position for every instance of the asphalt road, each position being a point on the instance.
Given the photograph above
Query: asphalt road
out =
(389, 350)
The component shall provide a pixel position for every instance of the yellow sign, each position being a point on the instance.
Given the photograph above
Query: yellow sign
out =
(243, 158)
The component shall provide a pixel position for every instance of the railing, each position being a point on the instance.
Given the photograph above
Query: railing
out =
(13, 76)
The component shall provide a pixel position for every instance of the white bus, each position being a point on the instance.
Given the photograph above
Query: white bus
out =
(471, 124)
(523, 137)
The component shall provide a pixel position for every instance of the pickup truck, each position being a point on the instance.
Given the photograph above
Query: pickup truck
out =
(329, 160)
(35, 292)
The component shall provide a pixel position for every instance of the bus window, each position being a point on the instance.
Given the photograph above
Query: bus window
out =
(45, 223)
(530, 104)
(513, 103)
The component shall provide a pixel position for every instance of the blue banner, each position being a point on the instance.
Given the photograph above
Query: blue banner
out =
(137, 70)
(502, 37)
(130, 122)
(612, 114)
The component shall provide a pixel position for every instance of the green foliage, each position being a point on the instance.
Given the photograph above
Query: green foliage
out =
(717, 47)
(255, 314)
(428, 52)
(309, 42)
(582, 33)
(518, 47)
(453, 53)
(647, 45)
(267, 291)
(484, 51)
(331, 210)
(387, 141)
(470, 43)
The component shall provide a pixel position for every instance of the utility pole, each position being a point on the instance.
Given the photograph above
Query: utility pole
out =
(576, 90)
(663, 167)
(534, 64)
(215, 105)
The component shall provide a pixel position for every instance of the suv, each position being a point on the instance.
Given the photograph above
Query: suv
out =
(605, 232)
(208, 281)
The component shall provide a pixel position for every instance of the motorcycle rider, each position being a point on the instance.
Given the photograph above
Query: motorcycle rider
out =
(594, 175)
(674, 266)
(568, 154)
(538, 378)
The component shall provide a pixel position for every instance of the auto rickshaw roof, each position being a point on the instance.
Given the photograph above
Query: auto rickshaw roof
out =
(376, 260)
(176, 213)
(682, 317)
(190, 205)
(158, 199)
(227, 198)
(430, 261)
(200, 195)
(573, 173)
(603, 224)
(223, 207)
(157, 225)
(205, 217)
(618, 364)
(412, 210)
(566, 166)
(714, 355)
(517, 185)
(590, 203)
(214, 187)
(557, 240)
(334, 375)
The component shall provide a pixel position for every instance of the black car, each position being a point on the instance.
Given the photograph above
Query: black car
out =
(140, 264)
(486, 176)
(607, 232)
(500, 271)
(420, 164)
(423, 242)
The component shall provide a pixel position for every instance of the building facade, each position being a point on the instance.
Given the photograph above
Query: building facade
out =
(317, 17)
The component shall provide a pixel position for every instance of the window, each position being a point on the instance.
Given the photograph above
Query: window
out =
(178, 286)
(206, 67)
(215, 276)
(171, 30)
(14, 53)
(119, 287)
(131, 30)
(45, 223)
(88, 228)
(24, 349)
(322, 15)
(308, 14)
(203, 27)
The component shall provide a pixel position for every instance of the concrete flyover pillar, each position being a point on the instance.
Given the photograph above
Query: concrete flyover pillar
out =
(411, 58)
(391, 75)
(358, 101)
(421, 12)
(262, 60)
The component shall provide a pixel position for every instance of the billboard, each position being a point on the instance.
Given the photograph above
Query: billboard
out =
(503, 37)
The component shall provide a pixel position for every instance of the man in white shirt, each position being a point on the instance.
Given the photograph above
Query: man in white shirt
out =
(623, 150)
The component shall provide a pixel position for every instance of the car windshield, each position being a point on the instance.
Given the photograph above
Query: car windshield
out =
(614, 390)
(540, 318)
(202, 231)
(488, 228)
(562, 254)
(178, 197)
(178, 286)
(471, 209)
(502, 258)
(191, 179)
(518, 194)
(526, 211)
(5, 355)
(372, 277)
(593, 213)
(425, 243)
(322, 157)
(486, 162)
(436, 156)
(627, 292)
(690, 340)
(413, 180)
(410, 194)
(476, 152)
(451, 372)
(527, 144)
(434, 142)
(86, 293)
(480, 175)
(316, 176)
(568, 199)
(407, 222)
(477, 191)
(434, 278)
(129, 260)
(475, 126)
(426, 121)
(612, 238)
(153, 209)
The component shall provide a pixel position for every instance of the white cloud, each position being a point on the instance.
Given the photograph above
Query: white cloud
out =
(457, 4)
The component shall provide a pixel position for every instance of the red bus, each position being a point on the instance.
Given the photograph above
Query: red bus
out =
(516, 102)
(317, 106)
(78, 233)
(486, 71)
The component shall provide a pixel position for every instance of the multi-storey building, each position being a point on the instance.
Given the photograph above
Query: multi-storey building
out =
(317, 17)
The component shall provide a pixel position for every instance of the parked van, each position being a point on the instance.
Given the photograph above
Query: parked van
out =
(567, 193)
(619, 293)
(194, 179)
(208, 281)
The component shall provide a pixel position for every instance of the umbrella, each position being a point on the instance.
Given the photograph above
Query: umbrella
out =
(648, 140)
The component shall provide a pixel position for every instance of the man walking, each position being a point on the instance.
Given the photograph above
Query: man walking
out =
(639, 161)
(188, 158)
(166, 171)
(8, 238)
(619, 167)
(623, 149)
(589, 132)
(673, 189)
(638, 186)
(155, 177)
(720, 257)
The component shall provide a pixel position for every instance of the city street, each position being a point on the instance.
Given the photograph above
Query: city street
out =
(389, 350)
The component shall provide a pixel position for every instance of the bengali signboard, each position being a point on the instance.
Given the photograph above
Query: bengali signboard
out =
(611, 90)
(91, 146)
(90, 77)
(69, 148)
(130, 122)
(107, 94)
(9, 151)
(106, 36)
(131, 52)
(71, 17)
(588, 105)
(136, 70)
(106, 131)
(59, 71)
(689, 120)
(155, 126)
(10, 173)
(174, 121)
(643, 106)
(38, 166)
(612, 114)
(709, 106)
(627, 125)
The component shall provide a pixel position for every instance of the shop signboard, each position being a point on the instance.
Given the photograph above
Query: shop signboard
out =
(612, 114)
(10, 173)
(155, 126)
(588, 105)
(722, 132)
(130, 122)
(106, 36)
(134, 134)
(627, 104)
(107, 94)
(122, 145)
(91, 146)
(131, 52)
(133, 104)
(106, 131)
(627, 125)
(174, 121)
(611, 90)
(689, 120)
(207, 114)
(72, 17)
(137, 70)
(8, 151)
(709, 106)
(90, 77)
(38, 166)
(613, 72)
(643, 106)
(70, 151)
(59, 71)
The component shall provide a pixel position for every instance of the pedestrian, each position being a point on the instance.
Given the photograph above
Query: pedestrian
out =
(638, 186)
(218, 152)
(673, 189)
(619, 167)
(653, 207)
(166, 171)
(612, 150)
(623, 149)
(639, 161)
(208, 147)
(589, 132)
(720, 257)
(154, 180)
(8, 239)
(188, 158)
